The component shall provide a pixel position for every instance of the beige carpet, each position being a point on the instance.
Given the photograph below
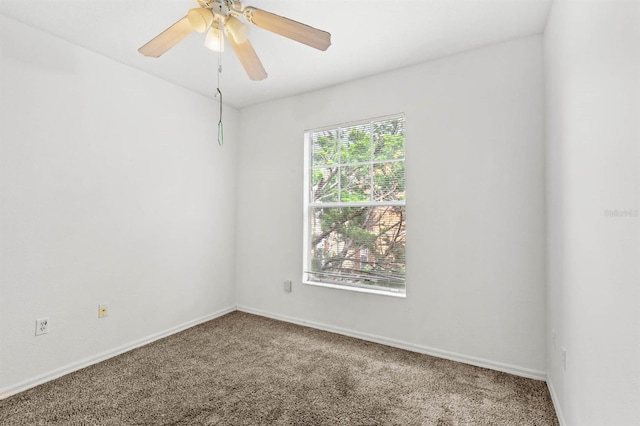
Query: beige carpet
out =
(243, 369)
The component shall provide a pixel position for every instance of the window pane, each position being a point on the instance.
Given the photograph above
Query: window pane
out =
(362, 165)
(355, 183)
(355, 144)
(324, 147)
(358, 246)
(388, 139)
(388, 181)
(324, 185)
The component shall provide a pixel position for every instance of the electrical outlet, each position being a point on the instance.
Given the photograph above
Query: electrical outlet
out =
(553, 338)
(564, 359)
(42, 326)
(287, 286)
(103, 311)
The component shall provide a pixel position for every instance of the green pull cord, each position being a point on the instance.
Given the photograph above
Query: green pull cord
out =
(220, 125)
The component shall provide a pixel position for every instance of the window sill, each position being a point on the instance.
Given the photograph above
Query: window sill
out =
(357, 289)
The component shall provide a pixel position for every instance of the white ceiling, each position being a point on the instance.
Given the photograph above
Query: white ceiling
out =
(368, 37)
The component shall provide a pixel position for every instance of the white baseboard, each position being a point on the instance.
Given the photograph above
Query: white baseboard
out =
(75, 366)
(478, 362)
(556, 402)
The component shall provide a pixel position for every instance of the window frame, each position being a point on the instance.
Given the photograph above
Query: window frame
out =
(308, 206)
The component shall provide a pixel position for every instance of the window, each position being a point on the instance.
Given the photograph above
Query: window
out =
(355, 206)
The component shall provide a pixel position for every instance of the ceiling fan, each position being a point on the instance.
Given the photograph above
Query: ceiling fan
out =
(230, 18)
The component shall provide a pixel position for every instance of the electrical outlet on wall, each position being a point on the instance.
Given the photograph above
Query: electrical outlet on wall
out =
(564, 359)
(553, 337)
(287, 286)
(42, 326)
(103, 311)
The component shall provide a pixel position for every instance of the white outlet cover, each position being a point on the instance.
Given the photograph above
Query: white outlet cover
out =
(42, 326)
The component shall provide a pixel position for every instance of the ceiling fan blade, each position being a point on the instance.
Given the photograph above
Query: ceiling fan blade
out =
(167, 39)
(249, 59)
(289, 28)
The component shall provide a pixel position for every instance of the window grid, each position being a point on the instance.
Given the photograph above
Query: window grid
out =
(316, 207)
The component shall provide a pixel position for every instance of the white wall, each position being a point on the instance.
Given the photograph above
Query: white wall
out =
(475, 206)
(592, 66)
(113, 189)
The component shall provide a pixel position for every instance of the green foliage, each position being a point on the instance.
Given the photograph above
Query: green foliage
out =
(325, 184)
(388, 181)
(325, 147)
(355, 183)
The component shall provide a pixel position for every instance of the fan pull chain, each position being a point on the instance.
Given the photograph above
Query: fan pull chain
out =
(220, 125)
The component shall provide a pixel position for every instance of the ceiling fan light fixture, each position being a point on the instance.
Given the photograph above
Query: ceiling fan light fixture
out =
(200, 19)
(231, 19)
(215, 39)
(236, 29)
